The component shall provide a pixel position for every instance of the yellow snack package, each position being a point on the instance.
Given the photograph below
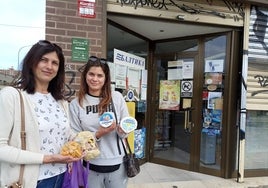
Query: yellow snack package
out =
(72, 148)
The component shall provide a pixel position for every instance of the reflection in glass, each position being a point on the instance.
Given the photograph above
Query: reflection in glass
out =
(256, 150)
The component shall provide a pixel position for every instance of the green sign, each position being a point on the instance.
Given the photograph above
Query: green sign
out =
(80, 49)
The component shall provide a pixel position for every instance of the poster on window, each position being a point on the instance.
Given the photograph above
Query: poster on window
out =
(139, 142)
(133, 79)
(214, 65)
(175, 70)
(186, 88)
(169, 95)
(215, 100)
(213, 78)
(120, 76)
(188, 70)
(212, 118)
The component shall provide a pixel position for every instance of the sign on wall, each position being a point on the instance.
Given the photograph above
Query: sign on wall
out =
(86, 8)
(80, 49)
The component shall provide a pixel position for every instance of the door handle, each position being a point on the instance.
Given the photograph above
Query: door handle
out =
(188, 125)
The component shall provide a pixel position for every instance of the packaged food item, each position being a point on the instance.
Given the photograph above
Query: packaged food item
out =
(128, 124)
(72, 148)
(106, 119)
(88, 143)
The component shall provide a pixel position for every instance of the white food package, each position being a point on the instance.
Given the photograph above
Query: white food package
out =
(128, 124)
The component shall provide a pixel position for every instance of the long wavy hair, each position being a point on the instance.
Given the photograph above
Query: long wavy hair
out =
(26, 81)
(106, 96)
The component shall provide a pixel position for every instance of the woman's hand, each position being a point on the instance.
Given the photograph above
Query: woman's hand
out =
(120, 131)
(58, 158)
(105, 130)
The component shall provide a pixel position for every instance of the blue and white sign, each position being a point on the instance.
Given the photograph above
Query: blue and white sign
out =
(129, 60)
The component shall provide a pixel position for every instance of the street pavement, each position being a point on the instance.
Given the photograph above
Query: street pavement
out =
(159, 176)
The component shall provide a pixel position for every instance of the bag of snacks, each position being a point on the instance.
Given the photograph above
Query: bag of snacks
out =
(72, 148)
(88, 143)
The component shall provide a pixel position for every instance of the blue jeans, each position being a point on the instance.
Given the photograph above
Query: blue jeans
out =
(53, 182)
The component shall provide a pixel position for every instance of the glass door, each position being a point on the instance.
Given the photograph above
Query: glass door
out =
(174, 127)
(188, 104)
(212, 103)
(174, 108)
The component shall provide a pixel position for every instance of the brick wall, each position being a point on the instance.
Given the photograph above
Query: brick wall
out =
(63, 23)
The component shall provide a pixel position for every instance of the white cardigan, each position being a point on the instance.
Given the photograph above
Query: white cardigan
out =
(11, 156)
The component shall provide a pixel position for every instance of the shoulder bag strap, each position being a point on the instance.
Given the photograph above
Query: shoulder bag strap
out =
(129, 149)
(22, 135)
(126, 140)
(125, 150)
(117, 137)
(123, 146)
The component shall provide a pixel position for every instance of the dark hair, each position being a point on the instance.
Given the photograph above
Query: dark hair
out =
(26, 79)
(106, 96)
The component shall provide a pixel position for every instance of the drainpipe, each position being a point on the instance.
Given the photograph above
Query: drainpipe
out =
(243, 110)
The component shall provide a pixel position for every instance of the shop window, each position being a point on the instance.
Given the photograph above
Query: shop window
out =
(256, 140)
(213, 89)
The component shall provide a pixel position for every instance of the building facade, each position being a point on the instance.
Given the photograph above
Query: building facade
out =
(201, 96)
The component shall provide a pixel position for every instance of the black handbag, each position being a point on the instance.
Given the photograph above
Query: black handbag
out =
(131, 163)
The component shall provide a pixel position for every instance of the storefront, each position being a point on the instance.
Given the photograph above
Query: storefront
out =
(194, 58)
(191, 101)
(201, 95)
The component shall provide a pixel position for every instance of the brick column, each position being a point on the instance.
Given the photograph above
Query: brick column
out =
(63, 23)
